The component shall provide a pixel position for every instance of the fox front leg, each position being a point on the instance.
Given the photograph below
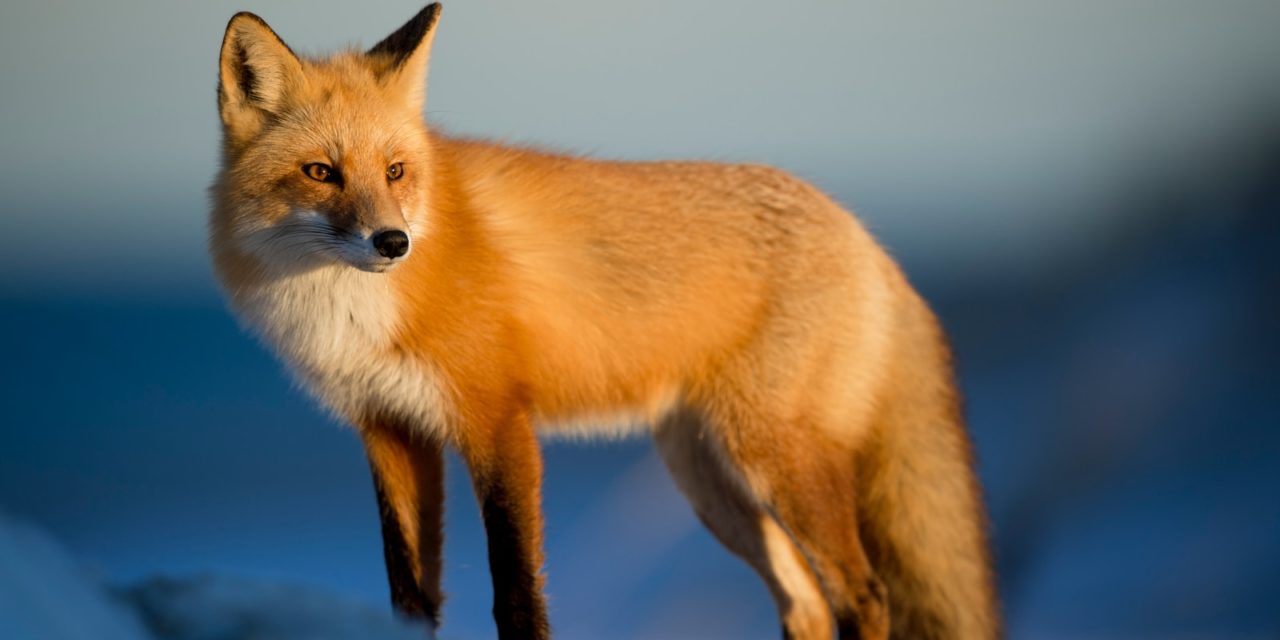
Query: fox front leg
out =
(506, 473)
(408, 474)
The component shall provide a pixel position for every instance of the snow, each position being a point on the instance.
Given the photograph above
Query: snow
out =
(45, 594)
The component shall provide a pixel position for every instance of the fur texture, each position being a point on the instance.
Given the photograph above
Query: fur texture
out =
(798, 388)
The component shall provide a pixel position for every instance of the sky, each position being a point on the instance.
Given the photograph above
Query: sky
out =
(947, 127)
(1086, 193)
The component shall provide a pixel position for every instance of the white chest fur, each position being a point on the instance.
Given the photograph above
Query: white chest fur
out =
(333, 327)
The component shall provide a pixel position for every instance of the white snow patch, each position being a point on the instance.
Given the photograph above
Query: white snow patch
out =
(218, 608)
(47, 595)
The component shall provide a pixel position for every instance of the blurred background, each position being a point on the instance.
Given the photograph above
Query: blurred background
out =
(1087, 192)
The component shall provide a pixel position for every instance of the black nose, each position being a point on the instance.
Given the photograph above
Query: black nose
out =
(391, 243)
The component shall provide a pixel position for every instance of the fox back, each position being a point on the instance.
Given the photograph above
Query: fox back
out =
(438, 292)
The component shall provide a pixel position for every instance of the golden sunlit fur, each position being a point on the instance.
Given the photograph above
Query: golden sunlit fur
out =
(799, 390)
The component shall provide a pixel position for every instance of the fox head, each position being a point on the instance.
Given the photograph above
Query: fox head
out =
(327, 160)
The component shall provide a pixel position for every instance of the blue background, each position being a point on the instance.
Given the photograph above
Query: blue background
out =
(1088, 194)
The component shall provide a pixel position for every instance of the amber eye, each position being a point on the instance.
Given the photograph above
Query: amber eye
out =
(395, 171)
(318, 171)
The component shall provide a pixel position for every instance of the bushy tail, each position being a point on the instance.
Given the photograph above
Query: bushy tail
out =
(922, 522)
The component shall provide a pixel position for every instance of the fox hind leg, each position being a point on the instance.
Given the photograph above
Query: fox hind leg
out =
(806, 480)
(742, 526)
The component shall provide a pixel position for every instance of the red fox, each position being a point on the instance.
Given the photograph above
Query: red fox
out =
(435, 292)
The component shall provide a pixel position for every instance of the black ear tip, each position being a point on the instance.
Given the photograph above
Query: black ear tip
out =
(424, 19)
(428, 16)
(403, 42)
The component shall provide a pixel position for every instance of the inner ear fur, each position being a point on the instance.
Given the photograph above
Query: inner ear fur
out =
(256, 72)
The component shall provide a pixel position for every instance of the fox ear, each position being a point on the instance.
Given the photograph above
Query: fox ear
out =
(255, 73)
(401, 58)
